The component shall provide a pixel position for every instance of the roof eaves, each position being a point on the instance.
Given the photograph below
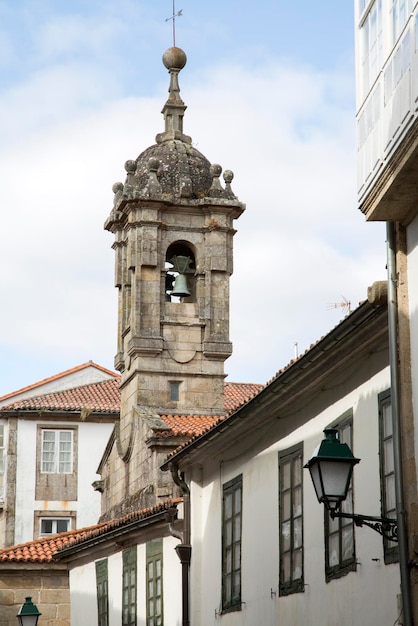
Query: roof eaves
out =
(286, 375)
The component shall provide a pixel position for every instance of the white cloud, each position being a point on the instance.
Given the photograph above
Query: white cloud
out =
(301, 243)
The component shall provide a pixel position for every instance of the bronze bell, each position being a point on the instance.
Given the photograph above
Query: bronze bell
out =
(180, 287)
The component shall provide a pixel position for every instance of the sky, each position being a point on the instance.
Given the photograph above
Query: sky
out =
(269, 88)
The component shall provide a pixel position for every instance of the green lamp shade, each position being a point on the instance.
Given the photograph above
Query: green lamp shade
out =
(331, 469)
(28, 613)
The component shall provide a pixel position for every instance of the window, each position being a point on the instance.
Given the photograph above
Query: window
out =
(339, 533)
(2, 461)
(397, 67)
(400, 12)
(51, 525)
(102, 593)
(387, 472)
(290, 520)
(57, 452)
(154, 576)
(174, 391)
(129, 587)
(231, 545)
(372, 45)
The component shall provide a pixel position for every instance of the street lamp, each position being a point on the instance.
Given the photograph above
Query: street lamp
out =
(331, 469)
(28, 613)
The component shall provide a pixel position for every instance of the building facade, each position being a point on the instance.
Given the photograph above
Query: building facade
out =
(387, 96)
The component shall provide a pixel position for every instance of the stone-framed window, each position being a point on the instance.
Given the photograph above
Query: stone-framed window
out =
(291, 520)
(387, 471)
(102, 592)
(129, 586)
(231, 545)
(52, 522)
(340, 549)
(154, 582)
(56, 462)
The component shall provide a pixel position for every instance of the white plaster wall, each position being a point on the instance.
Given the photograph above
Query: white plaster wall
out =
(83, 588)
(92, 439)
(346, 601)
(83, 595)
(412, 251)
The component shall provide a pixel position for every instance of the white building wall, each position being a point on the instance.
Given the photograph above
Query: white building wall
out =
(83, 588)
(92, 439)
(344, 601)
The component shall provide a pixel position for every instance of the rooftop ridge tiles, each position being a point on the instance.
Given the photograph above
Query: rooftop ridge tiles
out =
(59, 375)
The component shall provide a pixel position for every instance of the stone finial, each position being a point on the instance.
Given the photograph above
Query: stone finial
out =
(216, 190)
(377, 294)
(174, 60)
(153, 188)
(117, 189)
(228, 177)
(130, 168)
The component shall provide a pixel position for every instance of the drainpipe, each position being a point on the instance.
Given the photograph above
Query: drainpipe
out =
(184, 549)
(397, 447)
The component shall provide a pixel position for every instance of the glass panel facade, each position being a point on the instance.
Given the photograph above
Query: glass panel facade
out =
(102, 593)
(129, 587)
(387, 475)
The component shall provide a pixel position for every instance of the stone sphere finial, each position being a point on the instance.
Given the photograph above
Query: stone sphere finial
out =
(130, 166)
(174, 58)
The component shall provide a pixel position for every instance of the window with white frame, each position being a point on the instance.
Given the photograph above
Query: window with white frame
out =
(57, 451)
(340, 552)
(397, 66)
(400, 12)
(371, 45)
(387, 470)
(2, 461)
(53, 525)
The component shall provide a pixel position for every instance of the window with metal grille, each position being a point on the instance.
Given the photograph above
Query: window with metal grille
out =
(154, 578)
(102, 593)
(387, 471)
(291, 520)
(129, 559)
(57, 452)
(231, 545)
(340, 557)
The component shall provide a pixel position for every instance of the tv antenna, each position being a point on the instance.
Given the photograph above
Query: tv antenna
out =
(173, 19)
(345, 305)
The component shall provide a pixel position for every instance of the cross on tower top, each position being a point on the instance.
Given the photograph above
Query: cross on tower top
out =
(173, 20)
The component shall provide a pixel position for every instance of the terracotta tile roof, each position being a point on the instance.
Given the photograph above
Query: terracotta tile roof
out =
(44, 550)
(187, 425)
(105, 397)
(72, 370)
(96, 397)
(238, 393)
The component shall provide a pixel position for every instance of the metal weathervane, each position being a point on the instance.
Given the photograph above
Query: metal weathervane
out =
(173, 19)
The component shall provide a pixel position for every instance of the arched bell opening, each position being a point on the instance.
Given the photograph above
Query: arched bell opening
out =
(180, 270)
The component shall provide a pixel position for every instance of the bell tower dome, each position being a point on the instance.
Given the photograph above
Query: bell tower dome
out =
(172, 221)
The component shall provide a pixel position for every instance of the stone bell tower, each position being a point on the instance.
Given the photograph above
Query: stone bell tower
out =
(173, 225)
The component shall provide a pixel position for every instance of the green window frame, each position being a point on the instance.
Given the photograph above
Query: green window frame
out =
(129, 586)
(154, 578)
(340, 547)
(231, 544)
(291, 520)
(102, 593)
(387, 471)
